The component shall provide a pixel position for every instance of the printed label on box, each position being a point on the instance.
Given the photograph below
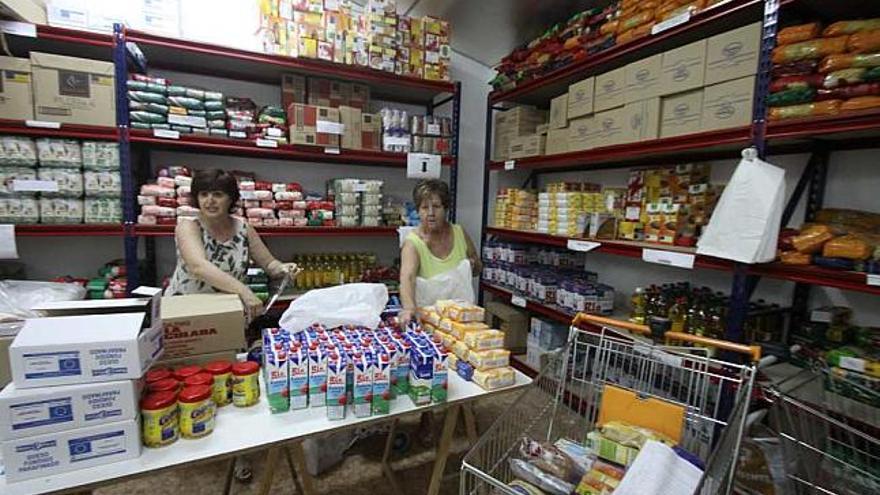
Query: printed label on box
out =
(51, 364)
(41, 413)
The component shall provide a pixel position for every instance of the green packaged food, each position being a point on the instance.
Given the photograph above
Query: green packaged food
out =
(196, 113)
(147, 117)
(136, 85)
(160, 126)
(217, 124)
(99, 283)
(147, 107)
(213, 105)
(872, 74)
(146, 97)
(186, 102)
(141, 125)
(258, 287)
(176, 91)
(195, 93)
(843, 77)
(793, 96)
(215, 114)
(213, 95)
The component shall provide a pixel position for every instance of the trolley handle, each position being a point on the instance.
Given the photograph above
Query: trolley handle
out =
(752, 351)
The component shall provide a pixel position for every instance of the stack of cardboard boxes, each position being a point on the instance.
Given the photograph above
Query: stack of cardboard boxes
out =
(544, 337)
(200, 328)
(73, 400)
(516, 133)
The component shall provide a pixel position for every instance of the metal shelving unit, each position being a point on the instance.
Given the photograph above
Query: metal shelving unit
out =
(817, 136)
(168, 231)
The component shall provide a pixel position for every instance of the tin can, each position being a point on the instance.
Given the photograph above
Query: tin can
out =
(222, 373)
(197, 411)
(245, 384)
(181, 374)
(157, 374)
(202, 378)
(166, 385)
(159, 414)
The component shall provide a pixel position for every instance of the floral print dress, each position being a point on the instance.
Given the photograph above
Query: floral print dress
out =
(232, 256)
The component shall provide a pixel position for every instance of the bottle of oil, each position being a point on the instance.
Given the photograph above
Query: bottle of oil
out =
(677, 315)
(638, 306)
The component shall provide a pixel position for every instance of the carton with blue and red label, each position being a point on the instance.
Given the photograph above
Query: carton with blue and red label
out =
(335, 399)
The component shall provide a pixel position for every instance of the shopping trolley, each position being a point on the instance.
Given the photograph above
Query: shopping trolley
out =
(828, 447)
(602, 361)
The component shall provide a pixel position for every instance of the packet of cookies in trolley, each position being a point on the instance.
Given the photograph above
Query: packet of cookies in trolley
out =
(335, 375)
(318, 376)
(298, 372)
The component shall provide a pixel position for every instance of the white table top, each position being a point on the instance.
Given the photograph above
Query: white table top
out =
(241, 429)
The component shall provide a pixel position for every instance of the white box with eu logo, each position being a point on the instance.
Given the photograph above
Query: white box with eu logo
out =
(37, 411)
(55, 453)
(73, 90)
(83, 349)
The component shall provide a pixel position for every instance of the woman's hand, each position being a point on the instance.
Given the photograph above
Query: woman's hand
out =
(405, 316)
(253, 306)
(279, 270)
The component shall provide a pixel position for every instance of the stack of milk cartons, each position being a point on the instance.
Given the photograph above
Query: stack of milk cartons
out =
(429, 365)
(76, 382)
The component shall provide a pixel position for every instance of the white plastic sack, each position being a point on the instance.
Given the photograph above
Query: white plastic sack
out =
(349, 304)
(455, 284)
(746, 221)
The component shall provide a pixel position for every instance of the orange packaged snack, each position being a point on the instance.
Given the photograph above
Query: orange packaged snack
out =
(817, 109)
(609, 27)
(795, 258)
(634, 21)
(632, 34)
(798, 34)
(807, 50)
(864, 42)
(850, 27)
(840, 61)
(666, 13)
(848, 246)
(812, 239)
(860, 103)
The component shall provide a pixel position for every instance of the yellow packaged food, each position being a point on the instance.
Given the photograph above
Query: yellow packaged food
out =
(461, 330)
(860, 103)
(795, 258)
(847, 246)
(850, 27)
(495, 378)
(429, 314)
(864, 42)
(451, 361)
(811, 242)
(817, 109)
(460, 349)
(445, 325)
(799, 33)
(484, 340)
(809, 50)
(486, 360)
(466, 312)
(631, 435)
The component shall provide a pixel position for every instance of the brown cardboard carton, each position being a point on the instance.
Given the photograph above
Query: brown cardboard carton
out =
(610, 90)
(728, 104)
(582, 134)
(371, 131)
(293, 89)
(513, 322)
(559, 112)
(643, 79)
(580, 98)
(641, 120)
(16, 96)
(526, 146)
(610, 126)
(681, 113)
(351, 118)
(198, 359)
(733, 54)
(557, 141)
(73, 90)
(5, 368)
(683, 69)
(202, 323)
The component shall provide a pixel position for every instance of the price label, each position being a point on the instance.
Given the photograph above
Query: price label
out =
(582, 246)
(18, 28)
(34, 185)
(669, 258)
(873, 279)
(433, 129)
(819, 316)
(422, 166)
(274, 132)
(267, 143)
(238, 134)
(166, 134)
(518, 301)
(42, 124)
(332, 151)
(851, 363)
(671, 22)
(327, 127)
(396, 140)
(510, 165)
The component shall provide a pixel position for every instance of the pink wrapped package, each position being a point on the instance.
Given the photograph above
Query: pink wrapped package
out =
(147, 219)
(260, 213)
(284, 205)
(156, 190)
(250, 203)
(247, 185)
(299, 205)
(268, 204)
(285, 222)
(158, 211)
(182, 180)
(256, 222)
(300, 222)
(183, 191)
(279, 187)
(166, 182)
(271, 222)
(184, 201)
(291, 213)
(288, 196)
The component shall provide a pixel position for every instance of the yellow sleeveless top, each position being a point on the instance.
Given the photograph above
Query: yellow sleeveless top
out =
(430, 265)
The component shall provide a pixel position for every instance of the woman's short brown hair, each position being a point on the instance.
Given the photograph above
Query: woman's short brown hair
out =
(426, 188)
(214, 179)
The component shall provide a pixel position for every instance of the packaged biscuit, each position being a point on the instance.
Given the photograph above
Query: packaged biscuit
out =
(486, 360)
(495, 378)
(460, 330)
(483, 340)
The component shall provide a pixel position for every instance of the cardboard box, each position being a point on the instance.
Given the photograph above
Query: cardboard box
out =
(522, 147)
(32, 11)
(73, 90)
(641, 120)
(513, 322)
(371, 131)
(149, 304)
(681, 113)
(580, 98)
(559, 112)
(728, 104)
(16, 97)
(308, 125)
(36, 411)
(293, 90)
(83, 349)
(199, 359)
(610, 126)
(557, 141)
(643, 79)
(5, 367)
(683, 69)
(733, 55)
(352, 119)
(55, 453)
(610, 90)
(202, 323)
(582, 134)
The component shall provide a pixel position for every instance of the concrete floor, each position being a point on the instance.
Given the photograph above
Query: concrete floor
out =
(360, 472)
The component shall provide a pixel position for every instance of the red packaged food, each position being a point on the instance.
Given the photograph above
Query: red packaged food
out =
(167, 202)
(800, 68)
(262, 185)
(166, 220)
(847, 92)
(794, 82)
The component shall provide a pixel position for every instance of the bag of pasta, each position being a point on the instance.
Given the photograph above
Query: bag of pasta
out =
(851, 247)
(850, 27)
(813, 49)
(798, 34)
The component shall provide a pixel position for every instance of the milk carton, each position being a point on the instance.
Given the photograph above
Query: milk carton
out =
(390, 350)
(318, 376)
(335, 385)
(349, 373)
(381, 383)
(421, 375)
(275, 378)
(363, 384)
(298, 372)
(440, 381)
(401, 383)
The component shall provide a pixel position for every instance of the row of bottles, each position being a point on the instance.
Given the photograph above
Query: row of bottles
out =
(326, 270)
(700, 311)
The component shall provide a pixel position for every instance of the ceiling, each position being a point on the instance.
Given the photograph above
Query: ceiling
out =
(487, 30)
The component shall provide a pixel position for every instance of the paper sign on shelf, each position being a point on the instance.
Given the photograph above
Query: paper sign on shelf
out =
(19, 28)
(518, 301)
(34, 185)
(267, 143)
(671, 22)
(8, 248)
(853, 364)
(395, 140)
(510, 165)
(274, 132)
(582, 246)
(433, 130)
(669, 258)
(42, 124)
(873, 279)
(327, 127)
(166, 134)
(332, 151)
(422, 166)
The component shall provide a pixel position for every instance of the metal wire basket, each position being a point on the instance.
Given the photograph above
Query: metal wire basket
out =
(565, 398)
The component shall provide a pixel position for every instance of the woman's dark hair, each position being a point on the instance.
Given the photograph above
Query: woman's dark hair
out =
(215, 179)
(426, 188)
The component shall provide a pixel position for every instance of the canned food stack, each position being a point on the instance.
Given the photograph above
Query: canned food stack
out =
(154, 103)
(431, 134)
(478, 352)
(358, 202)
(168, 198)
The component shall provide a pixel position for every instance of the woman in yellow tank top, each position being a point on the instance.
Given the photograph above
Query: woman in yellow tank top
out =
(435, 247)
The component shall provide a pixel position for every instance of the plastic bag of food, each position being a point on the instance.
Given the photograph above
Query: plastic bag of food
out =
(609, 27)
(631, 435)
(864, 42)
(798, 34)
(625, 24)
(811, 240)
(799, 68)
(840, 61)
(546, 482)
(635, 33)
(816, 109)
(847, 92)
(792, 96)
(668, 12)
(843, 77)
(548, 458)
(850, 27)
(814, 49)
(872, 74)
(797, 82)
(861, 103)
(795, 258)
(848, 246)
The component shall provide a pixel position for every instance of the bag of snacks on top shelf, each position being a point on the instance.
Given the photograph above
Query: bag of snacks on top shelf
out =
(814, 49)
(847, 92)
(811, 239)
(795, 258)
(864, 42)
(798, 34)
(861, 103)
(816, 109)
(848, 246)
(792, 96)
(850, 27)
(840, 61)
(17, 152)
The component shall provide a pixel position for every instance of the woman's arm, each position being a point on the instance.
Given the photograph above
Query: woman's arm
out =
(409, 269)
(476, 261)
(261, 254)
(192, 251)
